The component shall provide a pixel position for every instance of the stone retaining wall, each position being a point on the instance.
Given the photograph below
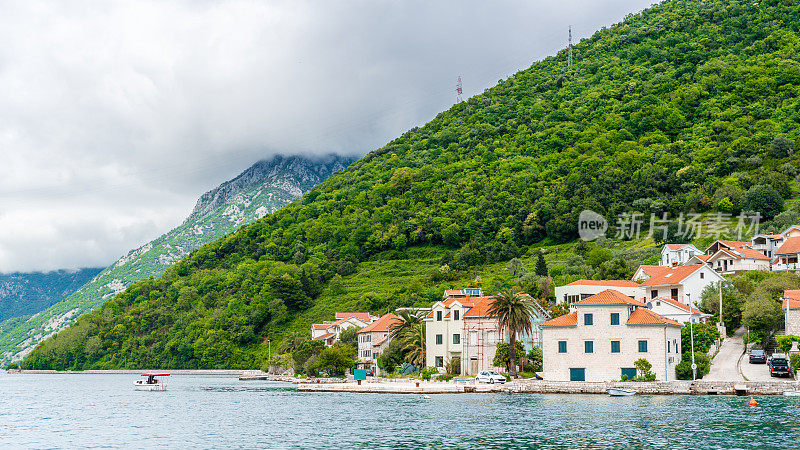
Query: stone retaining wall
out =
(655, 388)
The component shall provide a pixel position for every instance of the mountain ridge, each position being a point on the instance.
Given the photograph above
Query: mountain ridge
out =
(263, 188)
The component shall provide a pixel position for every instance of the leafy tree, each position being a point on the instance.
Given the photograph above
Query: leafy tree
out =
(732, 303)
(643, 368)
(705, 335)
(541, 265)
(762, 316)
(683, 371)
(334, 360)
(782, 147)
(392, 356)
(502, 358)
(765, 200)
(617, 269)
(535, 358)
(598, 256)
(516, 268)
(306, 350)
(349, 337)
(514, 314)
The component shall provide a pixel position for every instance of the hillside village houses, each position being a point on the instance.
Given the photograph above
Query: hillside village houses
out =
(459, 327)
(373, 339)
(602, 337)
(681, 283)
(673, 254)
(329, 331)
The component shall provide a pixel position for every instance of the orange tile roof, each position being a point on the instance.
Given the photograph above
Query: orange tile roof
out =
(608, 297)
(676, 246)
(750, 253)
(790, 246)
(736, 244)
(671, 275)
(481, 307)
(381, 324)
(680, 305)
(365, 317)
(321, 326)
(453, 292)
(792, 293)
(567, 320)
(793, 303)
(324, 336)
(612, 283)
(643, 316)
(702, 257)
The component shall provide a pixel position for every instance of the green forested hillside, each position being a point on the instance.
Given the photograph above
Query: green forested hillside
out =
(690, 106)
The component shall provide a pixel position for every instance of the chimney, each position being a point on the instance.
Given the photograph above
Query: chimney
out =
(674, 263)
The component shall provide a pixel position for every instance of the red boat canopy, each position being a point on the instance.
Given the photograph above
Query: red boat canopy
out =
(155, 374)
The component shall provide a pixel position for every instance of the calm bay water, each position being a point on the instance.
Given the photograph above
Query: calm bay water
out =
(45, 411)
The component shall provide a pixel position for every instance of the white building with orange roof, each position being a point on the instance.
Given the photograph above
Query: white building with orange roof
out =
(729, 261)
(678, 253)
(581, 289)
(329, 331)
(681, 283)
(444, 328)
(677, 311)
(373, 339)
(602, 337)
(787, 256)
(767, 243)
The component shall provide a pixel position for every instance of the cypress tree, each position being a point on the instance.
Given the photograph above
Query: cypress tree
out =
(541, 266)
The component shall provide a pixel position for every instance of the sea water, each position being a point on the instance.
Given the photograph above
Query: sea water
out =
(46, 411)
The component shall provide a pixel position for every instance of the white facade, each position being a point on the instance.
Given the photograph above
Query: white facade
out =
(672, 309)
(373, 340)
(329, 331)
(596, 350)
(581, 289)
(678, 254)
(443, 331)
(683, 283)
(767, 243)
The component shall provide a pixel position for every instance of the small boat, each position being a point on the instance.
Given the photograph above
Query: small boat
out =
(619, 392)
(791, 393)
(151, 383)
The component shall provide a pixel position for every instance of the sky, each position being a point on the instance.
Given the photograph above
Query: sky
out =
(116, 116)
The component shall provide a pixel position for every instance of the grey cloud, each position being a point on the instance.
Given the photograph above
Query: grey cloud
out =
(115, 116)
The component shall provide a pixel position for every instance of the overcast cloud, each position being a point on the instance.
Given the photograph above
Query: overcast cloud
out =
(116, 116)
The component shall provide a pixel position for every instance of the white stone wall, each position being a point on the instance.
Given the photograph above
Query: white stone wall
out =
(602, 365)
(793, 322)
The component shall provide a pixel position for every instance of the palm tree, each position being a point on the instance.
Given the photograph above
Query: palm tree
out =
(514, 313)
(408, 330)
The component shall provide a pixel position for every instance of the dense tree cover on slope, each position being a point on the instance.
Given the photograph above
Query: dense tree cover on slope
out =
(690, 106)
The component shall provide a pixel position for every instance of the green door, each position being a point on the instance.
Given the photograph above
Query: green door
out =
(577, 374)
(631, 373)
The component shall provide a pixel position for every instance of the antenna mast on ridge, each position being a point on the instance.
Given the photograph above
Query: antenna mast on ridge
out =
(459, 90)
(569, 60)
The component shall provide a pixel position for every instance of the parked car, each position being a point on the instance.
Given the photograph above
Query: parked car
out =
(370, 373)
(487, 376)
(758, 356)
(779, 365)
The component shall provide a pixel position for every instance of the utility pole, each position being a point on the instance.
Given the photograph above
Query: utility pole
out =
(569, 60)
(722, 324)
(691, 336)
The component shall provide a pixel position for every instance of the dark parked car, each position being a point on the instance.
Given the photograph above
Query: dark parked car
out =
(758, 356)
(370, 373)
(779, 365)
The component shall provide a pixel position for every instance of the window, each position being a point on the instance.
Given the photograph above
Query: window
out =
(473, 337)
(674, 293)
(614, 346)
(614, 318)
(490, 338)
(588, 346)
(438, 316)
(669, 344)
(562, 346)
(642, 346)
(588, 319)
(654, 293)
(438, 339)
(455, 314)
(456, 338)
(439, 361)
(702, 275)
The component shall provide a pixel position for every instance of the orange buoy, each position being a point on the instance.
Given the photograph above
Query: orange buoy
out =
(753, 402)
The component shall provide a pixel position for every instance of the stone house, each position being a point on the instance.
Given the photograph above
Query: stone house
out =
(603, 335)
